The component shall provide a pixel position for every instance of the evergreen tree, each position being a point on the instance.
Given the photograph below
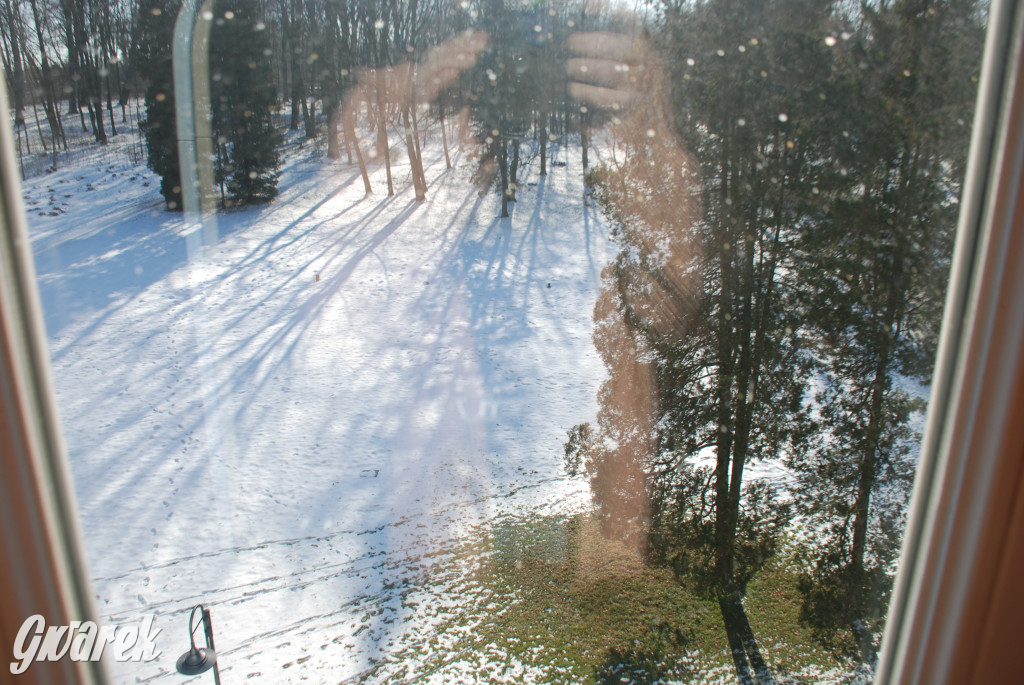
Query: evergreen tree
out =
(701, 310)
(154, 31)
(243, 90)
(505, 88)
(875, 269)
(731, 383)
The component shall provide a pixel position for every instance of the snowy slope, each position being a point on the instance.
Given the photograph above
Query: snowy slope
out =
(295, 452)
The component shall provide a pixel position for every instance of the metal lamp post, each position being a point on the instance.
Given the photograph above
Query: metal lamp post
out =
(199, 659)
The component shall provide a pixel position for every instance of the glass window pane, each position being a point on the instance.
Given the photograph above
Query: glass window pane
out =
(539, 342)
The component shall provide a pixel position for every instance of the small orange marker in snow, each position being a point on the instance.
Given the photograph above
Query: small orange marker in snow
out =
(318, 278)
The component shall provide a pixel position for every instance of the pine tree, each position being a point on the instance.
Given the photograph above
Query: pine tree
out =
(505, 89)
(154, 30)
(244, 100)
(701, 310)
(733, 384)
(875, 268)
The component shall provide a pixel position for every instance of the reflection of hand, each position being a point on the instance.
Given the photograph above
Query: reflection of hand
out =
(607, 69)
(422, 81)
(648, 179)
(621, 73)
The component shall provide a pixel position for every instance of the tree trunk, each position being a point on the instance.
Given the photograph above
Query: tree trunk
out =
(444, 141)
(17, 73)
(868, 468)
(417, 181)
(110, 106)
(383, 147)
(39, 129)
(332, 133)
(50, 104)
(585, 140)
(514, 171)
(350, 133)
(503, 167)
(309, 118)
(543, 143)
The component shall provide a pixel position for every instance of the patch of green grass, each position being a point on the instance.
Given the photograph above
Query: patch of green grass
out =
(558, 600)
(587, 609)
(773, 606)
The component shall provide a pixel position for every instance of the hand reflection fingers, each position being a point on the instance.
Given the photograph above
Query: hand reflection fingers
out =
(603, 45)
(441, 66)
(599, 96)
(428, 86)
(599, 72)
(459, 53)
(607, 69)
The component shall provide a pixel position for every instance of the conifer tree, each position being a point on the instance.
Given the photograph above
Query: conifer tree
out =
(505, 89)
(701, 309)
(243, 90)
(874, 271)
(732, 381)
(154, 30)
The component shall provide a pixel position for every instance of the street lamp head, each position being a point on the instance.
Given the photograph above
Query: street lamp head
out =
(197, 659)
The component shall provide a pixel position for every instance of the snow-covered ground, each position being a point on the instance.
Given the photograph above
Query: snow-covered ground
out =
(326, 405)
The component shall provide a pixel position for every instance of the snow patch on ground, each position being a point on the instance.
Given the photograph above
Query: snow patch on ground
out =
(294, 451)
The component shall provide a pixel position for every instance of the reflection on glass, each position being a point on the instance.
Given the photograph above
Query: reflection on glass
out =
(537, 342)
